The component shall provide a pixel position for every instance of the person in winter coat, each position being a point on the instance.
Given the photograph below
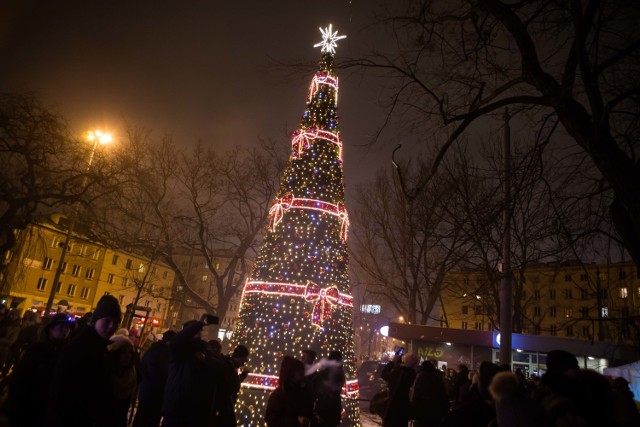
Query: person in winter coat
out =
(80, 394)
(123, 377)
(9, 330)
(28, 335)
(514, 407)
(29, 383)
(290, 404)
(400, 378)
(230, 386)
(477, 410)
(429, 400)
(327, 390)
(154, 370)
(192, 380)
(625, 410)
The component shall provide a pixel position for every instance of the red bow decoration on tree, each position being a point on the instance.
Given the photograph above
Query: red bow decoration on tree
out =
(277, 210)
(324, 298)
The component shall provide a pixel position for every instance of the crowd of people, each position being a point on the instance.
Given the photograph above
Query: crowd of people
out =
(493, 395)
(308, 394)
(87, 372)
(64, 372)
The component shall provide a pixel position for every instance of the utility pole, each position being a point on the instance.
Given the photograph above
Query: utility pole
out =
(506, 282)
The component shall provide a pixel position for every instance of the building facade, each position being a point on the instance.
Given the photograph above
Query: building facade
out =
(598, 302)
(200, 277)
(89, 271)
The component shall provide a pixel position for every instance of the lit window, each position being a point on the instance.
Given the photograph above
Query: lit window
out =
(204, 277)
(141, 268)
(605, 311)
(623, 292)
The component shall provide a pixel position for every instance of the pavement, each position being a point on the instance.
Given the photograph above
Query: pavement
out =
(369, 420)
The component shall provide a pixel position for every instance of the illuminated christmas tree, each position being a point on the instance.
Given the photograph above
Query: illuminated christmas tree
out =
(298, 296)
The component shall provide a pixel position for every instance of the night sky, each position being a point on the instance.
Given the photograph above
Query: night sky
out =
(202, 70)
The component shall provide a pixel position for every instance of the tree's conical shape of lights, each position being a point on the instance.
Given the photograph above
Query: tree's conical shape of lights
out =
(298, 296)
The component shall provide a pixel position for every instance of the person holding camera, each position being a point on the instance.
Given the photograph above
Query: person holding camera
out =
(193, 378)
(400, 378)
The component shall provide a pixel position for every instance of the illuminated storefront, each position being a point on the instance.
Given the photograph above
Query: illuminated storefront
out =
(452, 347)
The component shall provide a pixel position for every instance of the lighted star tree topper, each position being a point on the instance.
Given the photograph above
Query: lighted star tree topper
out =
(298, 296)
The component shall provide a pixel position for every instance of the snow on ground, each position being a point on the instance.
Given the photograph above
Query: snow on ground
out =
(369, 420)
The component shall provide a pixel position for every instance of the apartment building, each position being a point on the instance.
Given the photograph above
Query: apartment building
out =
(201, 279)
(138, 282)
(89, 271)
(569, 299)
(31, 269)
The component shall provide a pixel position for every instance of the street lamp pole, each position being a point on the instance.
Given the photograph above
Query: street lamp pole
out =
(97, 137)
(506, 296)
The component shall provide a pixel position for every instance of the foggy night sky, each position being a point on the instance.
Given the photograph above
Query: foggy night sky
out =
(202, 70)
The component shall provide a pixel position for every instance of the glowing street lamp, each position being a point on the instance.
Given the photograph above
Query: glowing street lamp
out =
(97, 137)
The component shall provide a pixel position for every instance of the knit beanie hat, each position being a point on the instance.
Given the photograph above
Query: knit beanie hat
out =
(108, 306)
(118, 341)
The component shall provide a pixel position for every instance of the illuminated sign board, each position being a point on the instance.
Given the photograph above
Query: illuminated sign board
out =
(370, 309)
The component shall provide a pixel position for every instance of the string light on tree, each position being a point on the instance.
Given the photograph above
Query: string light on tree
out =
(298, 295)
